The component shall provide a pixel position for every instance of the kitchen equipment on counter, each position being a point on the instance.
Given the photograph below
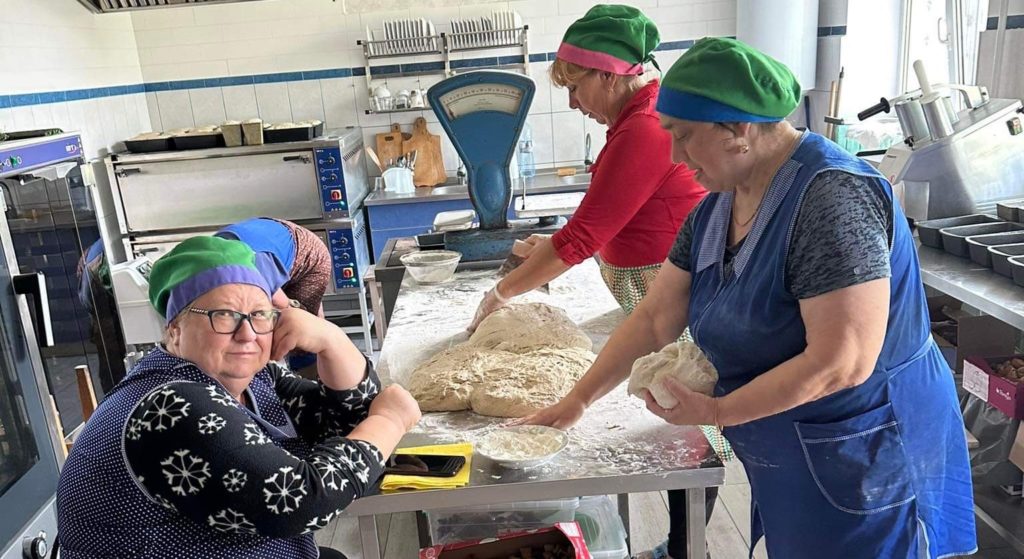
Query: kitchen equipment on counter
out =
(1017, 269)
(953, 164)
(292, 131)
(252, 132)
(928, 231)
(429, 167)
(232, 132)
(148, 142)
(199, 138)
(511, 447)
(1011, 210)
(399, 179)
(954, 239)
(587, 160)
(162, 199)
(431, 266)
(389, 144)
(1000, 255)
(483, 114)
(978, 245)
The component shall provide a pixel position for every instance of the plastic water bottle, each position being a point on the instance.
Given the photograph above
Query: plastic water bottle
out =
(527, 167)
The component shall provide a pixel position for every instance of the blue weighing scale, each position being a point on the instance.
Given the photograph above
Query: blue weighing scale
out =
(483, 114)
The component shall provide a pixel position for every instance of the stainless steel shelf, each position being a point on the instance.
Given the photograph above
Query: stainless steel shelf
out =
(975, 285)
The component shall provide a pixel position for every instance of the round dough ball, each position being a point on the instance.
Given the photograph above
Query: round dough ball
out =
(680, 360)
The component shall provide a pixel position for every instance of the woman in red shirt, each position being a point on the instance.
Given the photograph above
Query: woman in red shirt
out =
(637, 200)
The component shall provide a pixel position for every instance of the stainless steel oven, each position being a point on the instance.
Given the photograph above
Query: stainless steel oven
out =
(29, 460)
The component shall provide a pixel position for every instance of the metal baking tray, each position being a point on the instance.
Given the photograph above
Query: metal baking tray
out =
(1017, 266)
(928, 231)
(1000, 254)
(954, 239)
(1010, 210)
(977, 245)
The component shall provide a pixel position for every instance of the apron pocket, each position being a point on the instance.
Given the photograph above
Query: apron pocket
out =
(859, 464)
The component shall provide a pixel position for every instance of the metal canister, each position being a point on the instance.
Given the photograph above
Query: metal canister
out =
(912, 120)
(938, 119)
(947, 106)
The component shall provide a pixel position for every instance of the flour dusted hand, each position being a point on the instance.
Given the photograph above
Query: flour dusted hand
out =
(680, 360)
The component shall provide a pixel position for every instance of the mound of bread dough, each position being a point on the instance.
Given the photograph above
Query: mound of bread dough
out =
(521, 359)
(680, 360)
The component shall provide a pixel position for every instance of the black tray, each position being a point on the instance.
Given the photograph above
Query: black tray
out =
(1000, 254)
(199, 141)
(148, 146)
(303, 134)
(1017, 266)
(978, 245)
(928, 231)
(954, 239)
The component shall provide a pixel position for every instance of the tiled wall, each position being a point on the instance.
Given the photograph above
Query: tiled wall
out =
(246, 42)
(85, 66)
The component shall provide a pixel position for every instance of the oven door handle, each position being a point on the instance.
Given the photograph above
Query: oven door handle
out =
(298, 158)
(34, 284)
(126, 171)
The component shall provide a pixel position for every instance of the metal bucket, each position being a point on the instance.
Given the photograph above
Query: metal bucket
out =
(912, 120)
(936, 115)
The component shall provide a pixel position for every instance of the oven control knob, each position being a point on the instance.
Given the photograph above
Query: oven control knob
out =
(35, 548)
(330, 161)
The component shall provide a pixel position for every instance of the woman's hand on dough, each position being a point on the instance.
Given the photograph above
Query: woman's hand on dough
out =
(491, 302)
(693, 408)
(297, 329)
(563, 415)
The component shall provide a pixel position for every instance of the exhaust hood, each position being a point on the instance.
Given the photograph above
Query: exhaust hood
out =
(111, 6)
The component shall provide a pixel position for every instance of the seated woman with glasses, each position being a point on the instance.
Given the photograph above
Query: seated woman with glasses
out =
(209, 449)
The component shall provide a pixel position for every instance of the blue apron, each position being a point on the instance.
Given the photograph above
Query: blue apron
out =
(876, 471)
(273, 244)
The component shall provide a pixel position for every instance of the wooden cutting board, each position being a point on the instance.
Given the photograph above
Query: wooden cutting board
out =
(390, 145)
(429, 169)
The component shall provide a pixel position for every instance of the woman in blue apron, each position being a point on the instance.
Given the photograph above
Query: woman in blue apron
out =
(799, 280)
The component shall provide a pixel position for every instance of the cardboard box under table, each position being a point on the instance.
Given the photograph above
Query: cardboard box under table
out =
(566, 536)
(981, 379)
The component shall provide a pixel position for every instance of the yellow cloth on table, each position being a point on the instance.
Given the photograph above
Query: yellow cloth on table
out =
(393, 482)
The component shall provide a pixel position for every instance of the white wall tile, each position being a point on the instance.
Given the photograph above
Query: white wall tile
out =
(6, 120)
(568, 133)
(153, 108)
(175, 109)
(240, 102)
(208, 105)
(339, 102)
(23, 118)
(543, 140)
(307, 100)
(273, 102)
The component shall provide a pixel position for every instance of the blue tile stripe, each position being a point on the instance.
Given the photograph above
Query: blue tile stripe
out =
(1012, 22)
(28, 99)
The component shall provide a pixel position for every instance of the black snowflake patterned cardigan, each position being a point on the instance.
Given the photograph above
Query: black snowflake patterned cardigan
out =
(171, 466)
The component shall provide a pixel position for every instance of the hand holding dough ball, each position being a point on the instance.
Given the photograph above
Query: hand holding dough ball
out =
(680, 360)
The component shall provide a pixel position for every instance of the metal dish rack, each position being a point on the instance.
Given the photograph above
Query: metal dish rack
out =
(441, 45)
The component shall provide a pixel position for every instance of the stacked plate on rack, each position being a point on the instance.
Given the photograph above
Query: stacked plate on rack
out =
(498, 30)
(402, 36)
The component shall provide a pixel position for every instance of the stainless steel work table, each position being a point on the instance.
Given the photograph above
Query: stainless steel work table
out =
(997, 296)
(618, 447)
(978, 286)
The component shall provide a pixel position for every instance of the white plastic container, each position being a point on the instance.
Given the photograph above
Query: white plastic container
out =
(602, 528)
(475, 523)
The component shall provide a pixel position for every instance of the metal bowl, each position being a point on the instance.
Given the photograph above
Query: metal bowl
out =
(431, 266)
(488, 449)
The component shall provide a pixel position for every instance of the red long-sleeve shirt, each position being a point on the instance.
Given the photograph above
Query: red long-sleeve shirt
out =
(638, 199)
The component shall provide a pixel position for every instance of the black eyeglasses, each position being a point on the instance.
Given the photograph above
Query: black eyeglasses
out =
(225, 321)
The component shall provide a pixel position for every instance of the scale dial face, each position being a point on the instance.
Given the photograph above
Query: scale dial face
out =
(501, 98)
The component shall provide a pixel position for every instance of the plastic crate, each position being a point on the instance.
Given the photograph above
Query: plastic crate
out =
(602, 528)
(475, 523)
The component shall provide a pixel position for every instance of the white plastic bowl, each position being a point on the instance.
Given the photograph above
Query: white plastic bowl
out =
(431, 266)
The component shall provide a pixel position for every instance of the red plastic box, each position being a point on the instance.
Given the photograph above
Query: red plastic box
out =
(509, 544)
(981, 380)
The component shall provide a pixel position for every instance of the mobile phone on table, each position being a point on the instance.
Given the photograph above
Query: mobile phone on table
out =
(424, 465)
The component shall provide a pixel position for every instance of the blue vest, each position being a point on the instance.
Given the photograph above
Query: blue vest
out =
(102, 512)
(878, 470)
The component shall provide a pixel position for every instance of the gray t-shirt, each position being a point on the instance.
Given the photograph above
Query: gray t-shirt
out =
(842, 237)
